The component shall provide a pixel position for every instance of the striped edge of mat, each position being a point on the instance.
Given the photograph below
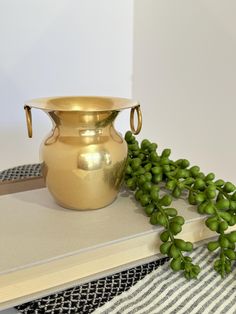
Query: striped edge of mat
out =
(168, 292)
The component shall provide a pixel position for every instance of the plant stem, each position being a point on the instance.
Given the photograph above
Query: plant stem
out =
(223, 192)
(168, 229)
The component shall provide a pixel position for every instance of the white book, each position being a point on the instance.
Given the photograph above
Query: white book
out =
(46, 248)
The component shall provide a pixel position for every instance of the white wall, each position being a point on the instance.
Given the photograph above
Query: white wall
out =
(58, 47)
(184, 76)
(183, 61)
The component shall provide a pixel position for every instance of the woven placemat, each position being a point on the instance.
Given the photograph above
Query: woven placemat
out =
(21, 172)
(84, 298)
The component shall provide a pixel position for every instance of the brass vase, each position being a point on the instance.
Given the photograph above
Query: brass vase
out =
(83, 157)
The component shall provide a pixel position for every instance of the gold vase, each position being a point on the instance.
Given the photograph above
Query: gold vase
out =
(83, 157)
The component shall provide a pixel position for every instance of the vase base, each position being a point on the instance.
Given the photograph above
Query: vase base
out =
(84, 209)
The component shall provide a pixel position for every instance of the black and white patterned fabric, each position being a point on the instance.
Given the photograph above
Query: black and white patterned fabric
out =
(21, 172)
(164, 291)
(84, 298)
(88, 297)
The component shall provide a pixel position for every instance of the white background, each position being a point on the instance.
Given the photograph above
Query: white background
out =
(185, 75)
(176, 57)
(58, 47)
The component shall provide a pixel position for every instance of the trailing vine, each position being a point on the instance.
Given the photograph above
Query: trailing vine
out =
(149, 173)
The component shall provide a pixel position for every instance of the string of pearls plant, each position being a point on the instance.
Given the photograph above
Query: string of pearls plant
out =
(147, 171)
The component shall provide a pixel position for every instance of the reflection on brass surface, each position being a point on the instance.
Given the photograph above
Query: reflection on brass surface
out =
(44, 170)
(83, 157)
(92, 132)
(115, 177)
(94, 160)
(52, 137)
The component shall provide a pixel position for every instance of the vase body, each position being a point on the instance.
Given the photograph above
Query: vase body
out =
(83, 157)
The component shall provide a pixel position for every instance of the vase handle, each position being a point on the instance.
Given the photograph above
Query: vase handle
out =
(28, 120)
(139, 116)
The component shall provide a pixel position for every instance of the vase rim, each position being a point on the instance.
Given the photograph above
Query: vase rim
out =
(82, 103)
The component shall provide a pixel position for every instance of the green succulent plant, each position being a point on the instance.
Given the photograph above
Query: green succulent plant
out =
(147, 171)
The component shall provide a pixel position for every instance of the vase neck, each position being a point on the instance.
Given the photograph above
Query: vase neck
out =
(67, 121)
